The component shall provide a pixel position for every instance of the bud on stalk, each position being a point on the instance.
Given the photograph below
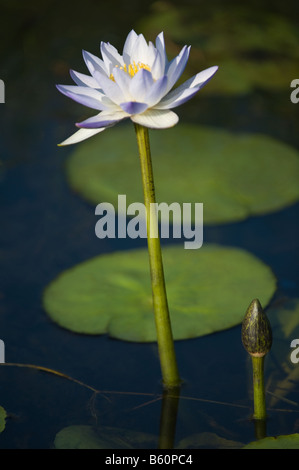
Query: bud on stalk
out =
(257, 340)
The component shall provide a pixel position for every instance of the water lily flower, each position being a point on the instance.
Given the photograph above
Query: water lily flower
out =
(139, 85)
(136, 85)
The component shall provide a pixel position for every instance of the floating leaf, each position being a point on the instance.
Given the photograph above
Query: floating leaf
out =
(208, 440)
(290, 441)
(208, 290)
(234, 176)
(253, 48)
(3, 416)
(88, 437)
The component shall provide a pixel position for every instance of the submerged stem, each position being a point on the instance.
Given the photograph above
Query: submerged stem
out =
(168, 362)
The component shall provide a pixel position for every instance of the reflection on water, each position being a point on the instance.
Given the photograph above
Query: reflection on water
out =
(46, 229)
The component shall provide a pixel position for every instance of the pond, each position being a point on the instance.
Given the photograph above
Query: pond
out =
(61, 388)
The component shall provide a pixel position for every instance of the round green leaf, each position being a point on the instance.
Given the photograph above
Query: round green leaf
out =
(77, 437)
(208, 290)
(290, 441)
(234, 176)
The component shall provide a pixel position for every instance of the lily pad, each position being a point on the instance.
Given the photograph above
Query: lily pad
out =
(2, 418)
(208, 290)
(290, 441)
(233, 175)
(208, 440)
(88, 437)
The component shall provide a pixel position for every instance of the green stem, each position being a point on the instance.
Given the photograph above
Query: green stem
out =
(258, 388)
(168, 363)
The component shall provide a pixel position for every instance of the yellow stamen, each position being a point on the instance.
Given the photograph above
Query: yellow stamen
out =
(131, 69)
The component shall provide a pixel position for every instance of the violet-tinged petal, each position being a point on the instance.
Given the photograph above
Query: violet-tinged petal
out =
(133, 107)
(201, 78)
(141, 84)
(156, 119)
(187, 90)
(157, 91)
(177, 66)
(172, 100)
(104, 119)
(87, 96)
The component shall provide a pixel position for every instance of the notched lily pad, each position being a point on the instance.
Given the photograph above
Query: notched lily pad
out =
(233, 175)
(208, 290)
(290, 441)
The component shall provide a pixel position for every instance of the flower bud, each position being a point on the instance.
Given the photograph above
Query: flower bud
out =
(256, 331)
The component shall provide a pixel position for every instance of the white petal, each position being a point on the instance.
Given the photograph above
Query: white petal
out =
(94, 63)
(80, 135)
(83, 80)
(160, 45)
(151, 54)
(156, 119)
(111, 57)
(123, 80)
(140, 50)
(128, 46)
(104, 119)
(158, 67)
(110, 88)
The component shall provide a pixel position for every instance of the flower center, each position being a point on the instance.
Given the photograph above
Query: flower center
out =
(131, 69)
